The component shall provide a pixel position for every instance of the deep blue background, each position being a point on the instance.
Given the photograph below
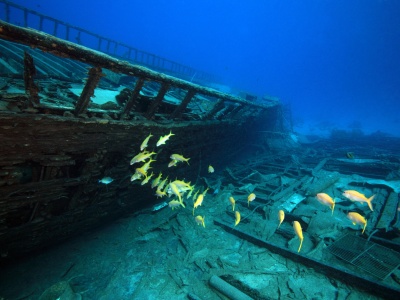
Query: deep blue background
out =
(336, 62)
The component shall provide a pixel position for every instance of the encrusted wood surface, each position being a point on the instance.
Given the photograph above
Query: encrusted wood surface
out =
(50, 167)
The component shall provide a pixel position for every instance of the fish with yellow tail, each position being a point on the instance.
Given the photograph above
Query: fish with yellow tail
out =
(299, 233)
(199, 200)
(327, 200)
(237, 218)
(146, 180)
(281, 216)
(172, 163)
(232, 201)
(145, 142)
(210, 169)
(250, 198)
(358, 197)
(175, 191)
(160, 193)
(356, 218)
(142, 156)
(156, 181)
(164, 139)
(175, 204)
(179, 158)
(200, 221)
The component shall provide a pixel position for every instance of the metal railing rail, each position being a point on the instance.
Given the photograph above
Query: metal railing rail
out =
(98, 61)
(75, 34)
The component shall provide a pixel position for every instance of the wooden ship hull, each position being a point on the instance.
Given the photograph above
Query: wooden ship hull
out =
(56, 145)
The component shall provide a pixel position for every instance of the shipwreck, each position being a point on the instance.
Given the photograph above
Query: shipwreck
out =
(70, 116)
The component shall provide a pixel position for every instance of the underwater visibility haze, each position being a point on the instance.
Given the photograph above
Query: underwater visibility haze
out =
(120, 182)
(335, 62)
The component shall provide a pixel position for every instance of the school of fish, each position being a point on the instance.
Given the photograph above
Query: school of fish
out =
(184, 190)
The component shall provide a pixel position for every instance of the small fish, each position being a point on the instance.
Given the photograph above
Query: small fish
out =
(146, 166)
(162, 183)
(146, 180)
(106, 180)
(199, 200)
(325, 199)
(178, 157)
(232, 201)
(142, 156)
(210, 169)
(190, 193)
(250, 198)
(136, 176)
(172, 163)
(144, 144)
(160, 193)
(237, 217)
(195, 195)
(155, 181)
(175, 203)
(358, 197)
(164, 138)
(141, 172)
(175, 191)
(200, 221)
(356, 218)
(299, 233)
(281, 216)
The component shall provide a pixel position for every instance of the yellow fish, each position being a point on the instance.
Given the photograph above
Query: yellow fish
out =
(162, 183)
(144, 144)
(172, 163)
(178, 157)
(325, 199)
(160, 193)
(146, 180)
(237, 217)
(175, 190)
(232, 201)
(356, 218)
(136, 176)
(146, 166)
(210, 169)
(140, 172)
(175, 203)
(164, 138)
(358, 197)
(155, 181)
(281, 216)
(199, 200)
(200, 221)
(142, 156)
(250, 198)
(299, 232)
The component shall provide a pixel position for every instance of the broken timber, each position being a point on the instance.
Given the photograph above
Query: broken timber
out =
(332, 270)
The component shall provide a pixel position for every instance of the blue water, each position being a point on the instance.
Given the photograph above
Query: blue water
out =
(335, 62)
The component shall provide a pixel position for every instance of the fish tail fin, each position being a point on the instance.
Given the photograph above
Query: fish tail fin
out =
(187, 161)
(369, 202)
(204, 224)
(365, 226)
(279, 224)
(301, 244)
(183, 204)
(333, 206)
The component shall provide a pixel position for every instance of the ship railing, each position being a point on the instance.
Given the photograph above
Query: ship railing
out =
(224, 106)
(22, 16)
